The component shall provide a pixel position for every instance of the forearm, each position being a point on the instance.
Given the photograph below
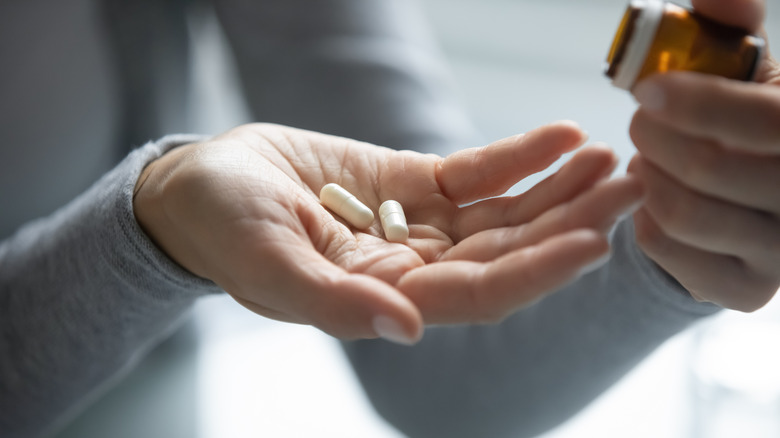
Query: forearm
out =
(84, 294)
(536, 369)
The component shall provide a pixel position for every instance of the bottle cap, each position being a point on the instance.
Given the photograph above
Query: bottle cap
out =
(630, 51)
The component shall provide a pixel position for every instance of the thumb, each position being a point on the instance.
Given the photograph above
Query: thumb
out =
(361, 306)
(745, 14)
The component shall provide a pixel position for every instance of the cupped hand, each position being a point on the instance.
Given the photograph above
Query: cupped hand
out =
(242, 210)
(709, 155)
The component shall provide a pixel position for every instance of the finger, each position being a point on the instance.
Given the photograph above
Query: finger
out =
(597, 209)
(585, 168)
(769, 70)
(740, 115)
(740, 178)
(475, 173)
(462, 291)
(707, 223)
(721, 279)
(294, 280)
(745, 14)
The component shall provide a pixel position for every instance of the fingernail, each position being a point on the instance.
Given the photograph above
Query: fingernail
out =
(389, 329)
(571, 123)
(650, 95)
(596, 264)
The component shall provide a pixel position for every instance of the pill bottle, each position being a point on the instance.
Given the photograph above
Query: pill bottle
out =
(657, 36)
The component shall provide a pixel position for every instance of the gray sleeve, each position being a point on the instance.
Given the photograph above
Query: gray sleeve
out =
(83, 295)
(368, 70)
(539, 367)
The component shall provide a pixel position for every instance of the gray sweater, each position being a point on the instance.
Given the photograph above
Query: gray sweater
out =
(84, 294)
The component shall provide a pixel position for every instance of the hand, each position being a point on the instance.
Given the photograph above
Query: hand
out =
(709, 155)
(242, 210)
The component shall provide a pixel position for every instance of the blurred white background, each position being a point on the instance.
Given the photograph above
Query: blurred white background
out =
(518, 64)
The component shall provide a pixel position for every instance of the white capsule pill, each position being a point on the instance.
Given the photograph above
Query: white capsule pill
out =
(346, 205)
(391, 214)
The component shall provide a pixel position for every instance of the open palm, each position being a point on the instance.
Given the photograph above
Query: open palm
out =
(242, 210)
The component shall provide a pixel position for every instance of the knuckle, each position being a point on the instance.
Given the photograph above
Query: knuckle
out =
(678, 214)
(486, 306)
(698, 107)
(748, 304)
(750, 294)
(765, 241)
(768, 123)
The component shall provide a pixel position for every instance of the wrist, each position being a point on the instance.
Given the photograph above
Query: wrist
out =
(151, 208)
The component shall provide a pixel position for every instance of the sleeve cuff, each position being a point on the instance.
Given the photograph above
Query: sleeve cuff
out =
(153, 271)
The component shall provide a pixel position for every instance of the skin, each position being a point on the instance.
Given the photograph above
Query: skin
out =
(242, 210)
(709, 156)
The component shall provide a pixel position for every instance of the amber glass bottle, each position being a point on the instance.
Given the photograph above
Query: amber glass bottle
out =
(656, 36)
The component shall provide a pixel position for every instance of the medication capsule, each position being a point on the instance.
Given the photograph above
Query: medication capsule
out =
(391, 214)
(657, 36)
(346, 205)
